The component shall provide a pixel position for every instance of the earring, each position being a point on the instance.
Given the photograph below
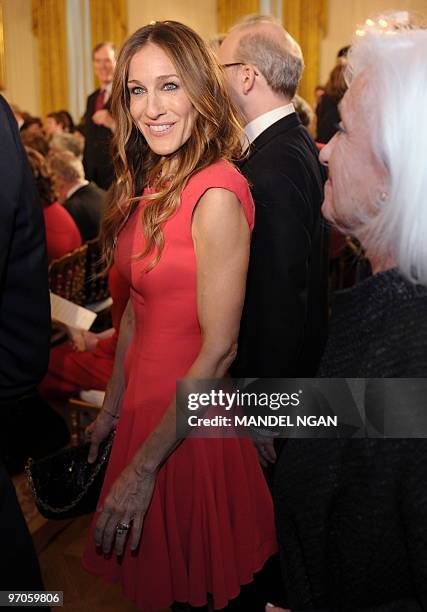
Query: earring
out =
(383, 196)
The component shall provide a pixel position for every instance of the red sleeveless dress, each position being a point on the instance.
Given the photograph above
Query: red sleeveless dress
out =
(210, 525)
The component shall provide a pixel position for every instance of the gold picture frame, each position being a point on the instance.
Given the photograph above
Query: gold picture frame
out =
(2, 64)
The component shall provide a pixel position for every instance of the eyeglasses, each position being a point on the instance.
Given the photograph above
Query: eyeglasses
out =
(232, 64)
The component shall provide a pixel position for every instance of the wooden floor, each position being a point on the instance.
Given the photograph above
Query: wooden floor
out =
(60, 545)
(62, 571)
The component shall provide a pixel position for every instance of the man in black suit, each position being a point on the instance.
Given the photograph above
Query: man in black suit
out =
(84, 200)
(283, 327)
(24, 343)
(98, 122)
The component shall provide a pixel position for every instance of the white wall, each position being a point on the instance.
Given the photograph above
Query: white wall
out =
(21, 56)
(346, 15)
(201, 15)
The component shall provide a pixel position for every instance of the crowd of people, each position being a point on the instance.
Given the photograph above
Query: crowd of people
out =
(72, 168)
(215, 235)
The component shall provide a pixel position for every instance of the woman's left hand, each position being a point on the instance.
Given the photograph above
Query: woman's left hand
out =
(124, 509)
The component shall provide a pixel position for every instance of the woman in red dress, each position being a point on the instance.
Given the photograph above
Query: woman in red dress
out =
(190, 521)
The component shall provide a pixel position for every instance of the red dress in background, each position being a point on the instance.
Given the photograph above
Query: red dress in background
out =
(62, 233)
(70, 372)
(210, 523)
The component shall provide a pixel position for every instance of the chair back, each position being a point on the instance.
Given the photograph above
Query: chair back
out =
(67, 275)
(96, 287)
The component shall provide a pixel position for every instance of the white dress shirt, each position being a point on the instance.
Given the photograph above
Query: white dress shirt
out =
(76, 188)
(108, 88)
(258, 125)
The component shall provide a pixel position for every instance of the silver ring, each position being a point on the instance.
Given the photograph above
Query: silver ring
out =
(122, 528)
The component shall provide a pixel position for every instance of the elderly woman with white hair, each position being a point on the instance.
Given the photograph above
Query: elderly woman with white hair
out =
(377, 192)
(352, 514)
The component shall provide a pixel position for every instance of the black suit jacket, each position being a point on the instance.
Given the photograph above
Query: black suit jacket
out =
(97, 160)
(24, 296)
(86, 206)
(284, 320)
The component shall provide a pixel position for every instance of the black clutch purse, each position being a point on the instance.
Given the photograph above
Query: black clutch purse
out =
(64, 484)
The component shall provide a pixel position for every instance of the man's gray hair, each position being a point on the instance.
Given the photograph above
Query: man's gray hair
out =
(280, 61)
(67, 142)
(66, 166)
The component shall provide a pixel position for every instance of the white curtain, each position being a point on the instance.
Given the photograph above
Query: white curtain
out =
(80, 74)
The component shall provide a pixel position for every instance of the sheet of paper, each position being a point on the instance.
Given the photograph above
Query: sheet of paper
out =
(70, 314)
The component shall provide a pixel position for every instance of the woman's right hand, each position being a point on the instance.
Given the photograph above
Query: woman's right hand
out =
(97, 431)
(266, 452)
(82, 340)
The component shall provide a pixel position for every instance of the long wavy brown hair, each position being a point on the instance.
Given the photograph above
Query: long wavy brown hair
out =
(216, 135)
(336, 85)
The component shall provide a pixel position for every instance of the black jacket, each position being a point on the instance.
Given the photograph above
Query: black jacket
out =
(351, 522)
(97, 160)
(24, 297)
(284, 320)
(86, 206)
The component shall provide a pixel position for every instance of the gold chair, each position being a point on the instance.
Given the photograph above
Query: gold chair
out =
(67, 275)
(96, 286)
(81, 414)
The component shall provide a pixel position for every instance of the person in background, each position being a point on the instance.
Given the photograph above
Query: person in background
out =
(197, 511)
(67, 142)
(67, 120)
(304, 111)
(39, 142)
(32, 126)
(352, 514)
(57, 123)
(343, 54)
(319, 90)
(84, 200)
(62, 233)
(98, 122)
(24, 346)
(284, 320)
(79, 132)
(327, 113)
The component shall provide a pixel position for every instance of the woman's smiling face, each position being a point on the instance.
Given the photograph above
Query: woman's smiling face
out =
(158, 103)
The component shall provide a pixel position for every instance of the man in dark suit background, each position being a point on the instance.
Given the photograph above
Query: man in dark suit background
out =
(98, 122)
(284, 320)
(84, 200)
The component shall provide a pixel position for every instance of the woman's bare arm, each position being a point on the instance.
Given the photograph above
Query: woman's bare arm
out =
(108, 416)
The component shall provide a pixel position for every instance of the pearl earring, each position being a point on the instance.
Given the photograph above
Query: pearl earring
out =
(383, 196)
